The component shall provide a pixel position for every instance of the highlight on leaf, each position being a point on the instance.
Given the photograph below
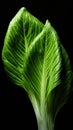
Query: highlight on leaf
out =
(35, 59)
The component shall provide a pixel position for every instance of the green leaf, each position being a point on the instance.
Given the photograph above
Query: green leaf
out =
(35, 59)
(23, 28)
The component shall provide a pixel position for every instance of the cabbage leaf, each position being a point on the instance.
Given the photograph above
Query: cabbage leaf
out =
(35, 59)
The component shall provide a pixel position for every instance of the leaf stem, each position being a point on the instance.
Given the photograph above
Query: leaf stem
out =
(45, 120)
(46, 124)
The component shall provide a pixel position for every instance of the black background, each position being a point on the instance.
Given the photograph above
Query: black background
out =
(15, 108)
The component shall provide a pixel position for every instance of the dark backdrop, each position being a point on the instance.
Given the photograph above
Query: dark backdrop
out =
(15, 108)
